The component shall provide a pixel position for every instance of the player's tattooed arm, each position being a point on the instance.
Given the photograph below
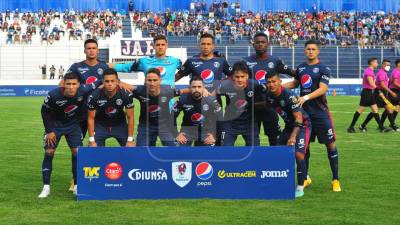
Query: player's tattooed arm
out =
(131, 130)
(323, 88)
(291, 84)
(91, 117)
(296, 130)
(127, 87)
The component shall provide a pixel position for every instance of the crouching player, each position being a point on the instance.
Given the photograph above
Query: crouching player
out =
(297, 124)
(107, 117)
(61, 114)
(199, 116)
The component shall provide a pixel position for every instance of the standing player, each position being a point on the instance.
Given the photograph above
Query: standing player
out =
(155, 120)
(107, 117)
(297, 125)
(240, 93)
(208, 67)
(313, 77)
(260, 65)
(383, 91)
(89, 70)
(61, 114)
(168, 65)
(368, 99)
(394, 85)
(199, 116)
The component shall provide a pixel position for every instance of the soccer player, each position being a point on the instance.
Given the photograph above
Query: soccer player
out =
(168, 65)
(368, 99)
(209, 67)
(297, 129)
(260, 65)
(89, 70)
(240, 93)
(155, 120)
(199, 116)
(394, 85)
(383, 91)
(61, 114)
(313, 77)
(107, 117)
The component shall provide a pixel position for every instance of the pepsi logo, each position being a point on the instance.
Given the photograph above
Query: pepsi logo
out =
(306, 81)
(260, 76)
(70, 109)
(111, 110)
(91, 80)
(241, 104)
(162, 70)
(197, 118)
(207, 76)
(204, 171)
(154, 109)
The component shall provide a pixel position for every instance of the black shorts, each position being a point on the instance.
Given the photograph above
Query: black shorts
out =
(393, 100)
(367, 97)
(379, 100)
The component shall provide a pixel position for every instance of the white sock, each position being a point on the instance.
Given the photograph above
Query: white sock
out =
(46, 186)
(300, 187)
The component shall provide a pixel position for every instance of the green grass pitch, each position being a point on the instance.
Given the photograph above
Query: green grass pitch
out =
(369, 170)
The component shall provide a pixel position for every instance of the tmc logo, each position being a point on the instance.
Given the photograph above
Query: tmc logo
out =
(91, 172)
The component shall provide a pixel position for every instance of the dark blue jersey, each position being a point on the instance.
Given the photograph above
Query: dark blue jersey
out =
(309, 78)
(212, 71)
(155, 110)
(199, 116)
(258, 69)
(110, 111)
(59, 111)
(285, 104)
(89, 74)
(239, 102)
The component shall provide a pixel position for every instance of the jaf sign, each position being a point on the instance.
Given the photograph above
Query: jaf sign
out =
(184, 172)
(142, 47)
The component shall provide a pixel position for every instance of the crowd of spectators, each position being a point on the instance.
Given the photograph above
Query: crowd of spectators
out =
(223, 18)
(51, 26)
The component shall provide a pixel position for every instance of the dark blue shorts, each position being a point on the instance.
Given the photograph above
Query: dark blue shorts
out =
(73, 136)
(147, 136)
(248, 129)
(119, 132)
(322, 127)
(302, 140)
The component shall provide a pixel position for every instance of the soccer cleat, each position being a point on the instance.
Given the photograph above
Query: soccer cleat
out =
(336, 186)
(45, 191)
(385, 129)
(362, 128)
(307, 182)
(299, 193)
(351, 130)
(75, 190)
(395, 128)
(71, 185)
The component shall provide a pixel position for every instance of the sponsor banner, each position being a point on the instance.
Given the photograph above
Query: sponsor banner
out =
(42, 90)
(138, 47)
(25, 90)
(106, 173)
